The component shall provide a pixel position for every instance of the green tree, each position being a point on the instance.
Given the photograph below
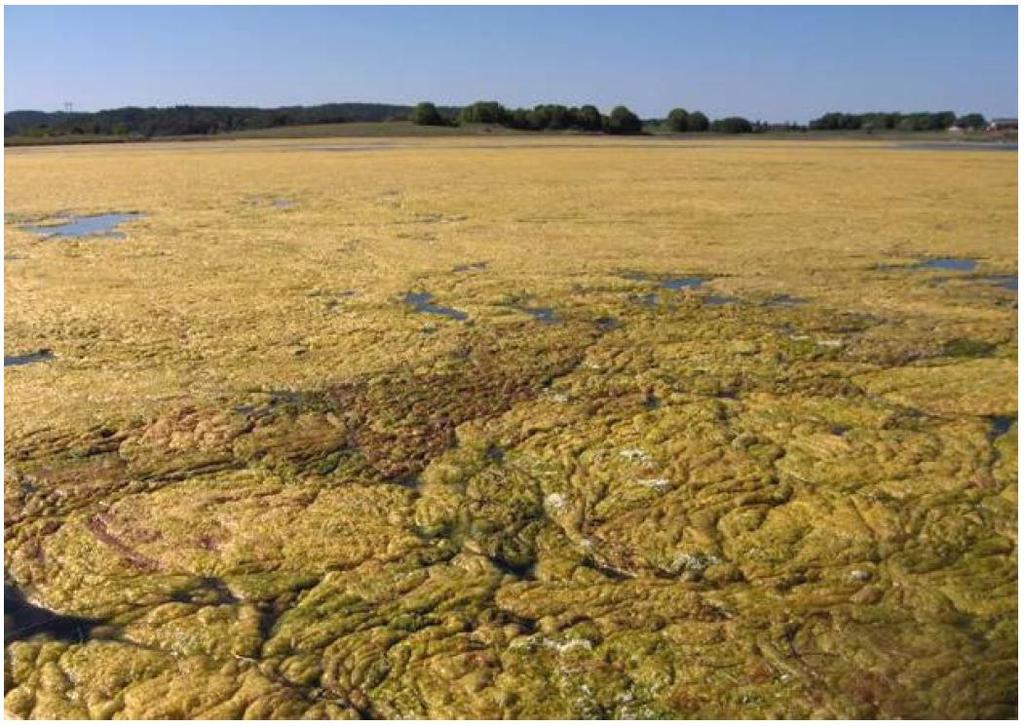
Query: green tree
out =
(559, 117)
(971, 121)
(623, 121)
(426, 114)
(678, 120)
(519, 118)
(732, 125)
(915, 122)
(589, 118)
(484, 112)
(539, 117)
(942, 120)
(697, 121)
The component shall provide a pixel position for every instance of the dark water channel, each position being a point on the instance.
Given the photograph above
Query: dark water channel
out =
(957, 264)
(22, 360)
(421, 303)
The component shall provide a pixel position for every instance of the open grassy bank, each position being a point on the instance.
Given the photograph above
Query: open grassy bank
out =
(707, 439)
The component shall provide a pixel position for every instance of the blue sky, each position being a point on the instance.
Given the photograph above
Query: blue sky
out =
(771, 63)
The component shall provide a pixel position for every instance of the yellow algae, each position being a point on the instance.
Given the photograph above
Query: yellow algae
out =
(979, 387)
(565, 480)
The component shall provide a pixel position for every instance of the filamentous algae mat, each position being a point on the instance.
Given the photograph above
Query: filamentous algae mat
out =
(430, 428)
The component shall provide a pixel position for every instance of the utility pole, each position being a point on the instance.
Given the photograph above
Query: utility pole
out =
(68, 106)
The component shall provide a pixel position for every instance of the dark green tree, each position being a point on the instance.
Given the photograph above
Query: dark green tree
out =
(519, 118)
(558, 117)
(971, 121)
(732, 125)
(589, 118)
(697, 121)
(426, 114)
(623, 121)
(942, 120)
(915, 122)
(678, 120)
(484, 112)
(539, 117)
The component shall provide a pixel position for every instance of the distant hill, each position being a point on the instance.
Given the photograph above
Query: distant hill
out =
(188, 120)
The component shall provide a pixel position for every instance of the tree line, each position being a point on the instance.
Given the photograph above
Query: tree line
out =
(621, 120)
(881, 121)
(556, 117)
(200, 120)
(191, 120)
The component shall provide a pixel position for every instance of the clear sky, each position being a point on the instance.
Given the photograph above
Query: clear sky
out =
(771, 63)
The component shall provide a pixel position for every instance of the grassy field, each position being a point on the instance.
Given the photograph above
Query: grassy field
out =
(382, 128)
(340, 130)
(273, 488)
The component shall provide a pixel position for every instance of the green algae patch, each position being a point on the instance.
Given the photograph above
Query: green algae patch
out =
(272, 491)
(977, 387)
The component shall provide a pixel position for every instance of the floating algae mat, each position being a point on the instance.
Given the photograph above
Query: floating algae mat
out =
(720, 300)
(470, 267)
(96, 225)
(236, 500)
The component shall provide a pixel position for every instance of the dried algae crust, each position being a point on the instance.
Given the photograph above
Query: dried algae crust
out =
(264, 486)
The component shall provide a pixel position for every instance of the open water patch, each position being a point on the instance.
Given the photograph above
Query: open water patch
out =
(671, 283)
(1007, 282)
(687, 282)
(1001, 425)
(94, 225)
(421, 302)
(956, 264)
(23, 360)
(682, 283)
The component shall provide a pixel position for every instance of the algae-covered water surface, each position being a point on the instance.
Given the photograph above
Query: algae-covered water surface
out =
(408, 447)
